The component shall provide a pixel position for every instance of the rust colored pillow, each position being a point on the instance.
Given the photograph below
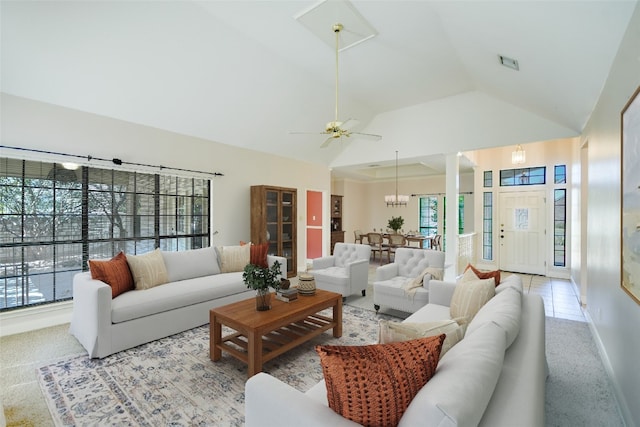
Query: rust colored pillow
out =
(114, 273)
(485, 274)
(258, 254)
(373, 385)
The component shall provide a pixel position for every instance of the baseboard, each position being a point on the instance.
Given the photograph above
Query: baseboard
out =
(32, 318)
(623, 409)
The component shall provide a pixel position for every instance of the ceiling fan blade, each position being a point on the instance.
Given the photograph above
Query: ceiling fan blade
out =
(368, 136)
(349, 124)
(327, 142)
(306, 133)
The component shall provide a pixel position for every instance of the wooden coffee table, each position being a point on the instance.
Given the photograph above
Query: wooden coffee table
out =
(262, 335)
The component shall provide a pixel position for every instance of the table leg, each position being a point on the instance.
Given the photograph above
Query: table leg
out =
(215, 338)
(254, 356)
(337, 317)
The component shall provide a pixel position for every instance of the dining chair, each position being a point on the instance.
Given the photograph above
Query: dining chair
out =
(377, 245)
(358, 235)
(436, 243)
(396, 241)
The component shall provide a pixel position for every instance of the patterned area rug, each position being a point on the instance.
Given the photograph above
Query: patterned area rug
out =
(172, 381)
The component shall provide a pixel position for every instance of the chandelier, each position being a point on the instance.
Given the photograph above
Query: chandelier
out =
(396, 199)
(518, 157)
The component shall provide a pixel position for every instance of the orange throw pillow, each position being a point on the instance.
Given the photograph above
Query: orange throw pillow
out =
(373, 385)
(258, 254)
(114, 273)
(485, 274)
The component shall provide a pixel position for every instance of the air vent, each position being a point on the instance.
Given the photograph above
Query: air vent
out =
(509, 62)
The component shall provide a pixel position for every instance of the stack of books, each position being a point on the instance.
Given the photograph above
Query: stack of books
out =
(287, 295)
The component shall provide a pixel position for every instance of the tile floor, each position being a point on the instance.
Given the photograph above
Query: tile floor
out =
(559, 295)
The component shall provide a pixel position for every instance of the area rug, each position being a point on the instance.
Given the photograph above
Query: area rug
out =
(172, 381)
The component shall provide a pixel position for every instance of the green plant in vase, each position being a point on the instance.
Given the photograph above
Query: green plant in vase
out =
(395, 223)
(261, 279)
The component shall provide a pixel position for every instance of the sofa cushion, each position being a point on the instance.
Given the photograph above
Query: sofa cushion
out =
(389, 331)
(148, 270)
(183, 265)
(373, 384)
(505, 310)
(333, 275)
(460, 390)
(134, 305)
(233, 258)
(470, 296)
(485, 274)
(257, 253)
(411, 262)
(512, 281)
(114, 272)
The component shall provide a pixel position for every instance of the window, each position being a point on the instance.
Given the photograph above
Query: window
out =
(522, 176)
(488, 179)
(560, 174)
(559, 227)
(487, 225)
(428, 215)
(52, 220)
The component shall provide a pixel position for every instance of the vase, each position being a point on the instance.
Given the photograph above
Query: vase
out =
(263, 300)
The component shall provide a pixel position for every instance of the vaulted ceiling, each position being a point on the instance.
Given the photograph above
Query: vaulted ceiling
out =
(246, 73)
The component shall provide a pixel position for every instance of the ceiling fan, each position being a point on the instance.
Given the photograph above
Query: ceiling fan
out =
(337, 129)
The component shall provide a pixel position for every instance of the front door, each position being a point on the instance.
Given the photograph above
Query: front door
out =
(522, 232)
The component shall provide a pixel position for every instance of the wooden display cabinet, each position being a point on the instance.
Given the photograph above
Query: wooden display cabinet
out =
(274, 220)
(337, 234)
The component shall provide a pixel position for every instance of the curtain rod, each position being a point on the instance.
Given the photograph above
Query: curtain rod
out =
(439, 194)
(115, 161)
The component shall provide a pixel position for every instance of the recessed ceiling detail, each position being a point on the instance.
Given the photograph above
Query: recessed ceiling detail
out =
(320, 18)
(509, 62)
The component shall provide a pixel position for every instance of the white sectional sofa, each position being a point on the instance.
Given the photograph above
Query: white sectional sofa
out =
(106, 325)
(495, 376)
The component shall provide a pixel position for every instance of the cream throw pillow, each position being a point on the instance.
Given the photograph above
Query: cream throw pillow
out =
(233, 258)
(470, 296)
(148, 270)
(389, 332)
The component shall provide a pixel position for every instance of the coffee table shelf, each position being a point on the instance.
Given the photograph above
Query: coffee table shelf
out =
(262, 335)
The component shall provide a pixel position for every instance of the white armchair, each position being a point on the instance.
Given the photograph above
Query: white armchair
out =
(346, 271)
(389, 285)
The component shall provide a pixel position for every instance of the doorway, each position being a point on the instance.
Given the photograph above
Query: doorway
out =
(522, 222)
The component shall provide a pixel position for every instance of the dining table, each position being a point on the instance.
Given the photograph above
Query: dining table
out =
(423, 242)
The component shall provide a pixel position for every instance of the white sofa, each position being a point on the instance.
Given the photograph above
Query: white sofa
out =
(407, 265)
(106, 325)
(495, 376)
(346, 271)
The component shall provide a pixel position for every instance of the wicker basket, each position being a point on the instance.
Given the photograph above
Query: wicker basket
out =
(306, 284)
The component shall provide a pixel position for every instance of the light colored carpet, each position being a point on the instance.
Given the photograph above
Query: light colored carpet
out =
(172, 381)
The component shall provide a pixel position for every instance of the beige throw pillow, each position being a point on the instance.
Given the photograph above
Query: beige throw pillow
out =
(389, 332)
(148, 270)
(470, 296)
(233, 258)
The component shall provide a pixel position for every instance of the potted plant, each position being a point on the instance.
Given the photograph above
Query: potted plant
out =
(395, 223)
(261, 279)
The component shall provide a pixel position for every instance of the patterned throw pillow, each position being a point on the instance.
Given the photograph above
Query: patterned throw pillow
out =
(485, 274)
(373, 385)
(469, 296)
(389, 331)
(114, 273)
(148, 270)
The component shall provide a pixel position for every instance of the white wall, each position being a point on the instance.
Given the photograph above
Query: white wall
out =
(614, 314)
(36, 125)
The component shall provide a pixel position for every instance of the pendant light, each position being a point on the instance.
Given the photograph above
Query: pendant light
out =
(396, 199)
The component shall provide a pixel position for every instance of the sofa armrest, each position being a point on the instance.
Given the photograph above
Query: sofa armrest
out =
(323, 262)
(91, 316)
(441, 292)
(283, 263)
(270, 402)
(386, 272)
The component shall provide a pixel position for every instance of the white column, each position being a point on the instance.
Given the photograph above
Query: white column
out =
(451, 233)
